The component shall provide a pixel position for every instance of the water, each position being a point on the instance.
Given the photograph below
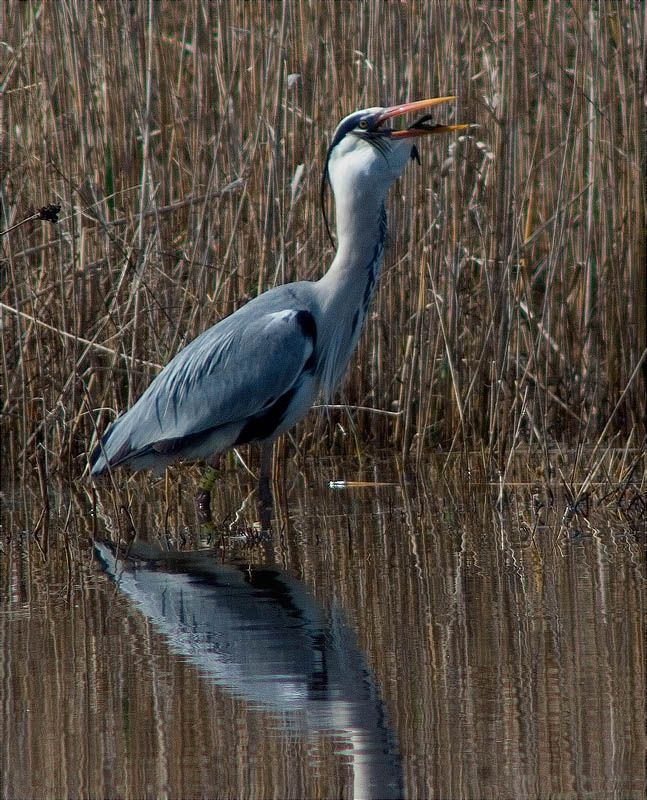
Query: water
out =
(432, 637)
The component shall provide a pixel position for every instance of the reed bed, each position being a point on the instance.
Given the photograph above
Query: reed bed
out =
(184, 144)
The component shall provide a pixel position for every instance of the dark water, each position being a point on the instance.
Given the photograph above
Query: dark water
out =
(437, 636)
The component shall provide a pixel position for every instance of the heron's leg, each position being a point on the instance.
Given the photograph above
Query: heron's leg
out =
(265, 499)
(203, 495)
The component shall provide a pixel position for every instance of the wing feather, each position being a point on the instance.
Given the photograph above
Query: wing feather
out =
(226, 375)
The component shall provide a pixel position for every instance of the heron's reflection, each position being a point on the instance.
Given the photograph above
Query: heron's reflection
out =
(259, 633)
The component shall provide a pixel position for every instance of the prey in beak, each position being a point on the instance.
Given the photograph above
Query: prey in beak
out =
(421, 126)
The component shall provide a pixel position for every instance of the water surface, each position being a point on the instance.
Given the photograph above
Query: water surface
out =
(435, 636)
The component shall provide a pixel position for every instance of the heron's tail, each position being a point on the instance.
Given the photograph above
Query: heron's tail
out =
(112, 450)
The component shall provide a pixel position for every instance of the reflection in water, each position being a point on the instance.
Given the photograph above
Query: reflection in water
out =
(259, 633)
(508, 645)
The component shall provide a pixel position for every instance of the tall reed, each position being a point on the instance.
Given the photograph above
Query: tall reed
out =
(184, 143)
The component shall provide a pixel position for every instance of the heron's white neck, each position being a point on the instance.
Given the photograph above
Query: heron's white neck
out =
(346, 289)
(361, 231)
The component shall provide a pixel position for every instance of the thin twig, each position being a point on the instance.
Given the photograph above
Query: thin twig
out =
(101, 348)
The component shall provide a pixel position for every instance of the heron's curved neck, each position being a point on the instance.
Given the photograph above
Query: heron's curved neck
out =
(345, 291)
(361, 233)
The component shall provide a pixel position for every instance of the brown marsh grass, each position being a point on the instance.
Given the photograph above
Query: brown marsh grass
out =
(184, 143)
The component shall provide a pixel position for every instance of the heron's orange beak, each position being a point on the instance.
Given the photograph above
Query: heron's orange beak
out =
(421, 126)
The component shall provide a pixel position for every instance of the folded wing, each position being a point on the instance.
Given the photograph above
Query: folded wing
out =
(225, 377)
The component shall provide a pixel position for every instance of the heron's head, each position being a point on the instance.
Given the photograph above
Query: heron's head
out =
(367, 154)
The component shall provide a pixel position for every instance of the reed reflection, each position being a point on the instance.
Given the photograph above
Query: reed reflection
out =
(259, 633)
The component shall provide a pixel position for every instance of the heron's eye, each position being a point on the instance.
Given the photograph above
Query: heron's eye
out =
(363, 124)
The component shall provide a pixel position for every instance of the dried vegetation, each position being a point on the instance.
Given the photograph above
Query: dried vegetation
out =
(184, 143)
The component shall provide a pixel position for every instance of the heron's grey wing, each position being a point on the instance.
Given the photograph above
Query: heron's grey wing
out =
(228, 374)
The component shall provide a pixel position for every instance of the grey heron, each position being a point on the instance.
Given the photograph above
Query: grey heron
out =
(256, 373)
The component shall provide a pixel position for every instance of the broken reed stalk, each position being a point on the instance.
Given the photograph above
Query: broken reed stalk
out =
(184, 144)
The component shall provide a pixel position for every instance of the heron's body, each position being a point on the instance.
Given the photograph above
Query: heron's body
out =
(256, 373)
(207, 400)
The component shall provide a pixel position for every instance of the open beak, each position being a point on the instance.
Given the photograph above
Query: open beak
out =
(422, 125)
